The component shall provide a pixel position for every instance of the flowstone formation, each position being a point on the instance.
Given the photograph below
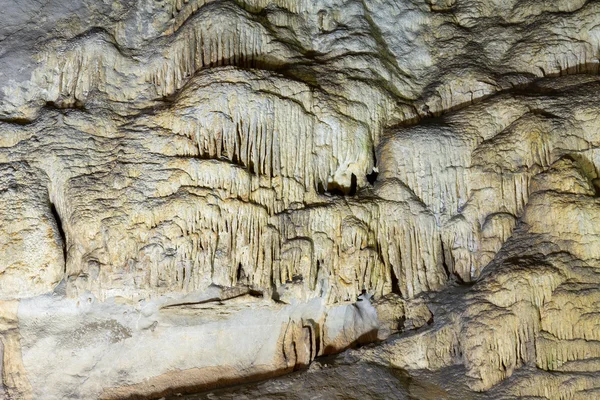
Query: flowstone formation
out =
(201, 193)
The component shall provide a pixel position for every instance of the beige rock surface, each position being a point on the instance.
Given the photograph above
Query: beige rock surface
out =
(199, 193)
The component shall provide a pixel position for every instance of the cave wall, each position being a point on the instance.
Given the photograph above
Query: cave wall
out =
(200, 193)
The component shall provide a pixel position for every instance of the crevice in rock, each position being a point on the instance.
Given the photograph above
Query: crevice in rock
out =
(241, 275)
(444, 263)
(16, 121)
(353, 185)
(395, 283)
(372, 177)
(60, 229)
(335, 189)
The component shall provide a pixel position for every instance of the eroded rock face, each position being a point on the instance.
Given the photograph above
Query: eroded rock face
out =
(200, 193)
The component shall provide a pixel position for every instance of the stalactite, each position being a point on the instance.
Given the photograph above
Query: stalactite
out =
(255, 131)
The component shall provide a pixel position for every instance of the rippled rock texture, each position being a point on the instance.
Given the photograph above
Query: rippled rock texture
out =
(200, 193)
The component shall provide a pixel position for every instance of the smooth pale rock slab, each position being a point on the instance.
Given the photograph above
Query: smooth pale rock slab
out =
(115, 350)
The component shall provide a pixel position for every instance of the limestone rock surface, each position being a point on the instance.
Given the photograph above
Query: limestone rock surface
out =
(201, 193)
